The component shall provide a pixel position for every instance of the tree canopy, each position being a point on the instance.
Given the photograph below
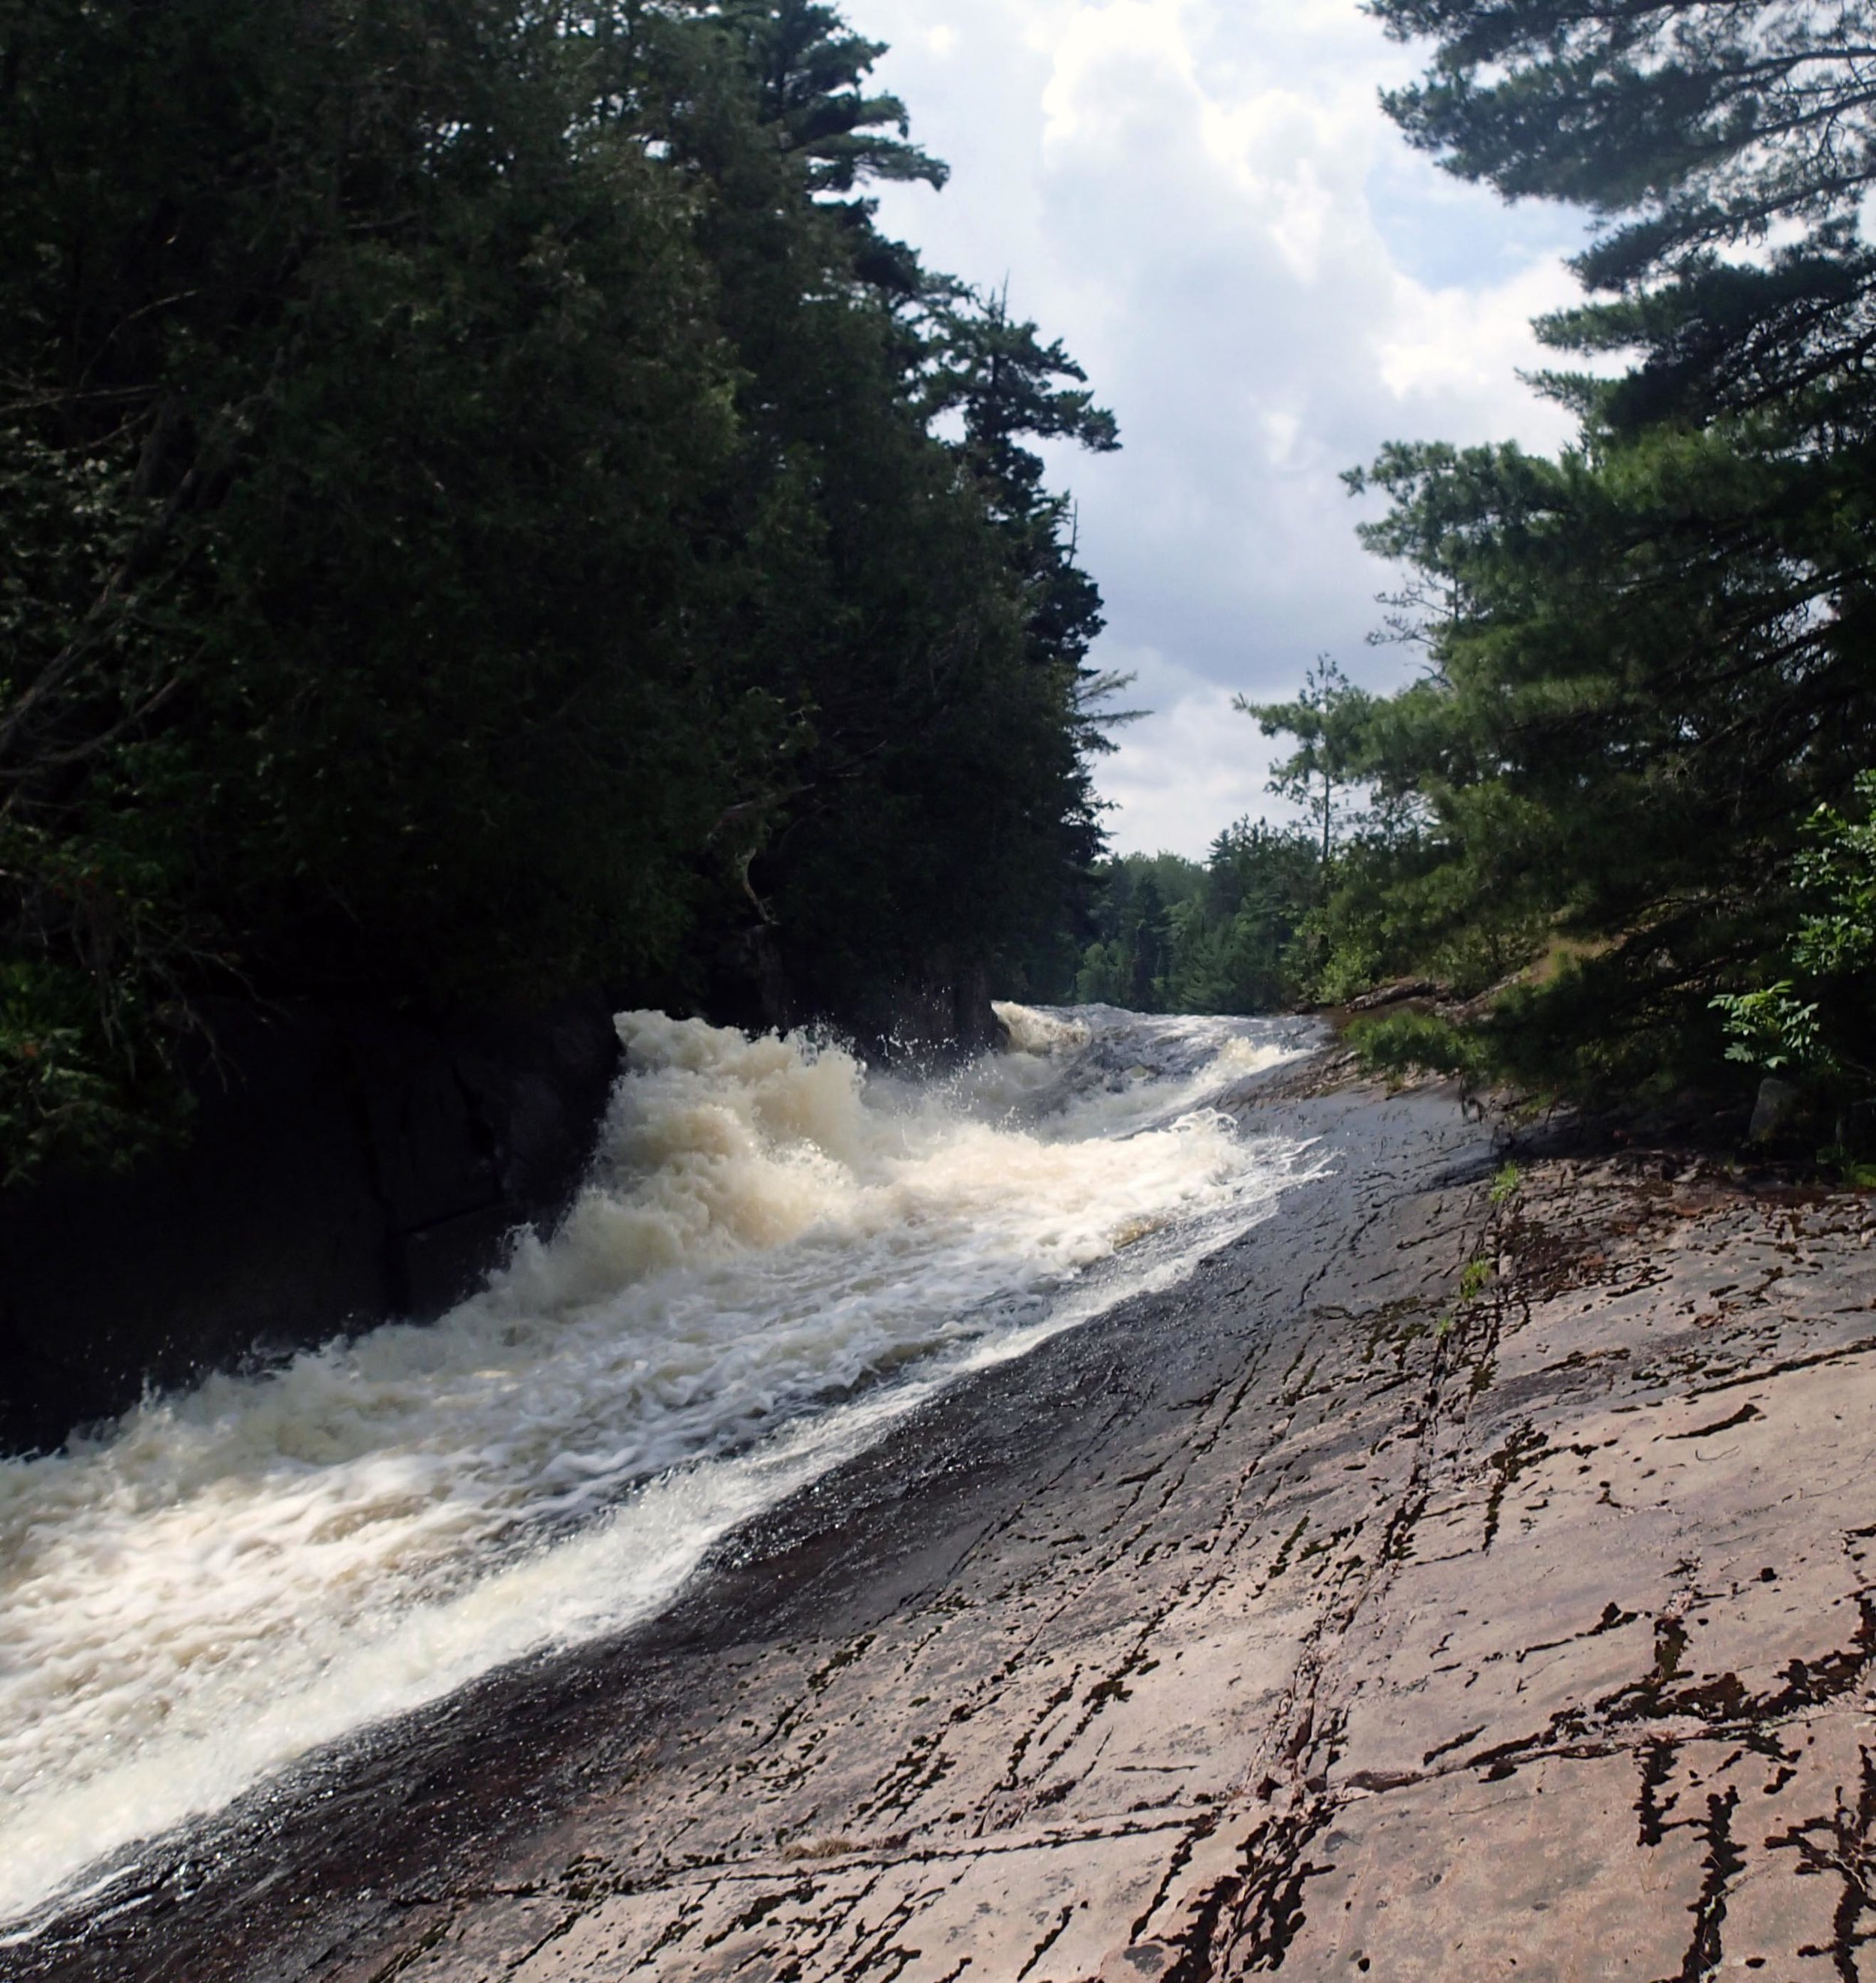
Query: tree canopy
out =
(1648, 661)
(477, 522)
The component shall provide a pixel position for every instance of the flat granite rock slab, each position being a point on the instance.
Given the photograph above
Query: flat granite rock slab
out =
(1432, 1589)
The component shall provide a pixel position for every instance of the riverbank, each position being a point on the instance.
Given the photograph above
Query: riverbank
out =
(1429, 1586)
(339, 1170)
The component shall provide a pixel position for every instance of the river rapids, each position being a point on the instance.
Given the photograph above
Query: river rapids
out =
(776, 1255)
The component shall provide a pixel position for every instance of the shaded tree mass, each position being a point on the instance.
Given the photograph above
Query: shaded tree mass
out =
(486, 509)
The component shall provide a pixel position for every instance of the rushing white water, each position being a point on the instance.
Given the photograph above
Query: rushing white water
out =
(775, 1258)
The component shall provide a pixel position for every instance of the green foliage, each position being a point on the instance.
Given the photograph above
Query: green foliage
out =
(1636, 695)
(1684, 124)
(1506, 1184)
(1400, 1043)
(1858, 1175)
(1648, 659)
(1229, 936)
(478, 521)
(69, 1086)
(1771, 1029)
(1328, 720)
(1836, 936)
(1832, 950)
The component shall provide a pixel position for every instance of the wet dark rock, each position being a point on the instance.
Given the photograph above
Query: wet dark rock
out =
(1394, 993)
(1771, 1113)
(928, 1013)
(342, 1170)
(943, 1015)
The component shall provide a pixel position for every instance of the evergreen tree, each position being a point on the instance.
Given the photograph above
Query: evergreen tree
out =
(1688, 125)
(1149, 949)
(1227, 936)
(1650, 659)
(475, 526)
(1327, 721)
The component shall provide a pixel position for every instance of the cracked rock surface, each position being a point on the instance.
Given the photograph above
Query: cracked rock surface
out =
(1431, 1588)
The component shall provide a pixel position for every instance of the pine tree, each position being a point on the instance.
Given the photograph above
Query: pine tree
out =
(1650, 659)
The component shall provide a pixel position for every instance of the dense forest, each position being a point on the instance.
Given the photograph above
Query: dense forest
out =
(1632, 787)
(1235, 933)
(487, 511)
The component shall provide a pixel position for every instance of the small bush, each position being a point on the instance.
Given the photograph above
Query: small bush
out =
(1404, 1041)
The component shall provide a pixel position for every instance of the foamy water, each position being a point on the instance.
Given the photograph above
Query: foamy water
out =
(774, 1260)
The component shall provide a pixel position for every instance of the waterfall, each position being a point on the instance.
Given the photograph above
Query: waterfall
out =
(776, 1255)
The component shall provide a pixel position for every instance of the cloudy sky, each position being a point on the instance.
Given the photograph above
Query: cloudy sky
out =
(1202, 199)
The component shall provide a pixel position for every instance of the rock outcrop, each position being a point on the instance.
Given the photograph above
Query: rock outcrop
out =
(341, 1170)
(1444, 1583)
(942, 1016)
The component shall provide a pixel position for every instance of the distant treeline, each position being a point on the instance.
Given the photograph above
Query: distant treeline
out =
(484, 510)
(1232, 933)
(1631, 789)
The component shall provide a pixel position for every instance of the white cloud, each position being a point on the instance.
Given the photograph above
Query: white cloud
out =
(1462, 343)
(1197, 767)
(1203, 199)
